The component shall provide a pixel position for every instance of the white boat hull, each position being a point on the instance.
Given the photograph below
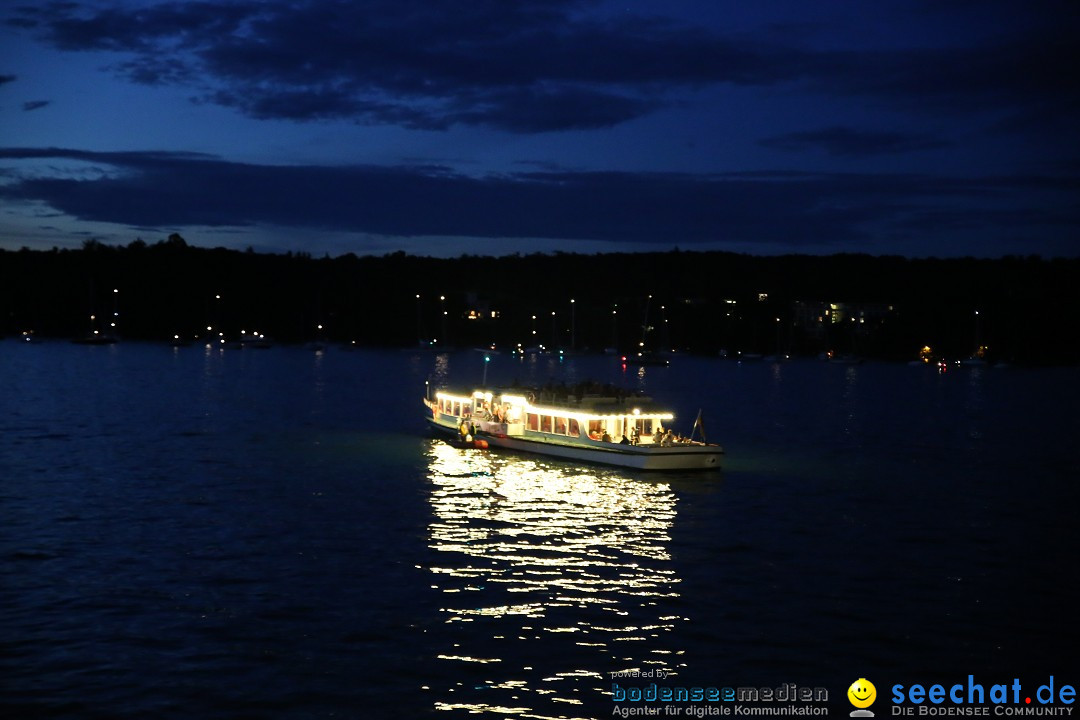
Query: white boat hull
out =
(638, 457)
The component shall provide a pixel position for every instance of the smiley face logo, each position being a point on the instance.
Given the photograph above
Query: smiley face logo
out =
(862, 693)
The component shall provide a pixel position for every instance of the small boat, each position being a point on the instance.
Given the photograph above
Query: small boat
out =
(846, 359)
(468, 444)
(256, 340)
(95, 338)
(594, 428)
(647, 358)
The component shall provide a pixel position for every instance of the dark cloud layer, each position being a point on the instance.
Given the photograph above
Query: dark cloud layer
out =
(954, 88)
(849, 142)
(167, 189)
(529, 65)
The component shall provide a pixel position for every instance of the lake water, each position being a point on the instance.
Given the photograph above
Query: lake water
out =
(196, 533)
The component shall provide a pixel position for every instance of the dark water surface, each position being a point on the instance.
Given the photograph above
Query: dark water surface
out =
(193, 533)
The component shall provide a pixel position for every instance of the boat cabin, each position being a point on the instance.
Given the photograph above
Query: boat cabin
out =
(587, 418)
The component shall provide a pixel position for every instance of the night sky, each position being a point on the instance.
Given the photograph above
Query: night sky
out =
(938, 128)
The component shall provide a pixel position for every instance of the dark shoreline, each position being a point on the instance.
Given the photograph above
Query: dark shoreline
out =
(889, 308)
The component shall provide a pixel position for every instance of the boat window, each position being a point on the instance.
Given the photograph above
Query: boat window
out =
(533, 422)
(574, 429)
(545, 423)
(560, 426)
(596, 429)
(457, 409)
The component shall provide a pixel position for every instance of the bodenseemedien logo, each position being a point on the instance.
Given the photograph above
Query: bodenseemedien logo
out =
(862, 694)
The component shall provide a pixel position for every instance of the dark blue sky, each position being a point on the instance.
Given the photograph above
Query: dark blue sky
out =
(945, 127)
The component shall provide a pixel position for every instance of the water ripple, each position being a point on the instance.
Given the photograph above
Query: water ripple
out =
(534, 559)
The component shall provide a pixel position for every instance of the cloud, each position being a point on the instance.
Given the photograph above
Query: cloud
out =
(1032, 70)
(5, 79)
(526, 66)
(156, 189)
(34, 105)
(849, 142)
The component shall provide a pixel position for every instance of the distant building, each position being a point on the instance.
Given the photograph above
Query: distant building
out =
(478, 308)
(815, 318)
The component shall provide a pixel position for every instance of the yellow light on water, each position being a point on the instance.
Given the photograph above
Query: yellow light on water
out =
(557, 537)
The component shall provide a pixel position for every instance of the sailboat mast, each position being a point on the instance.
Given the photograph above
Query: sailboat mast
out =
(645, 322)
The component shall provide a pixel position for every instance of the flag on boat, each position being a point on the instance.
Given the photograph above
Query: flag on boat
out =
(699, 423)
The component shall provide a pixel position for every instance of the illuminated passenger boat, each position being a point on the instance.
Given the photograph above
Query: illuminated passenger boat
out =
(586, 428)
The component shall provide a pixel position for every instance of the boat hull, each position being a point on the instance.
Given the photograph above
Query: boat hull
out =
(637, 457)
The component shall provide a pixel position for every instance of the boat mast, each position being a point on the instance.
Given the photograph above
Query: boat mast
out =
(645, 323)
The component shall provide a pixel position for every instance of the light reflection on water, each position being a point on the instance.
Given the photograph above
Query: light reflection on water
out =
(538, 561)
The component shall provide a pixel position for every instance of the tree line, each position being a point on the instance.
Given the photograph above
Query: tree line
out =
(1021, 309)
